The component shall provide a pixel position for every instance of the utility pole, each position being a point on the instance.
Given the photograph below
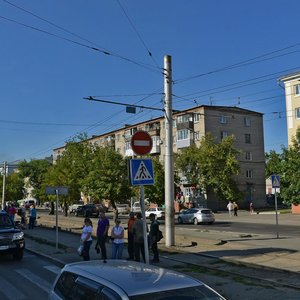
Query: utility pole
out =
(4, 185)
(169, 170)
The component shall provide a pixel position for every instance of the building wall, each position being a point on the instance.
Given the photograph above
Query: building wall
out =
(189, 127)
(292, 99)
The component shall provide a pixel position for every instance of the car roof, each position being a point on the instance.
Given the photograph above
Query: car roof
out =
(132, 277)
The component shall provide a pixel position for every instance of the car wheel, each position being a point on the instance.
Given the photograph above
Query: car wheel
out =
(18, 255)
(195, 221)
(180, 220)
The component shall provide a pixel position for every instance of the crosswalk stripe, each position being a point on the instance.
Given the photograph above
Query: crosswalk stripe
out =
(10, 291)
(53, 269)
(41, 283)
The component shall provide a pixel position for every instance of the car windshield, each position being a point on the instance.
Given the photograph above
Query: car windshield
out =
(206, 211)
(191, 293)
(5, 222)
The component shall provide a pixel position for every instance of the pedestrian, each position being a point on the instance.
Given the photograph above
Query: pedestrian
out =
(138, 238)
(154, 237)
(251, 208)
(86, 238)
(23, 215)
(117, 234)
(130, 246)
(230, 208)
(12, 212)
(32, 217)
(235, 209)
(102, 234)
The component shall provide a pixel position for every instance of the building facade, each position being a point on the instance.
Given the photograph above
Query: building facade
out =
(189, 126)
(292, 100)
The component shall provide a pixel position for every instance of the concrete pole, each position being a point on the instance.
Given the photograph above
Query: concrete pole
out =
(169, 171)
(4, 185)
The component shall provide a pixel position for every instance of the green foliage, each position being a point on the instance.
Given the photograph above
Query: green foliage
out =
(35, 171)
(287, 165)
(14, 187)
(156, 192)
(212, 166)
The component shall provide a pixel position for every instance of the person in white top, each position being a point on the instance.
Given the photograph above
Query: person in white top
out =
(230, 208)
(86, 238)
(117, 233)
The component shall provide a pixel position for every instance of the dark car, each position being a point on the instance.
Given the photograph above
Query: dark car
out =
(11, 238)
(87, 210)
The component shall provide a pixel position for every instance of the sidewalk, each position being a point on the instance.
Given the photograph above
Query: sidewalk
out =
(255, 250)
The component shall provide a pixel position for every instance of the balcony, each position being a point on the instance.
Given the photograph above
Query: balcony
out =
(185, 125)
(184, 143)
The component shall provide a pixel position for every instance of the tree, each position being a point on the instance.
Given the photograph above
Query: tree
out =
(14, 187)
(290, 175)
(107, 177)
(156, 192)
(35, 171)
(212, 165)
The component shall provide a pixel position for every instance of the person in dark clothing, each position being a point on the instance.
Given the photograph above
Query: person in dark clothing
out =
(130, 223)
(102, 234)
(138, 238)
(153, 237)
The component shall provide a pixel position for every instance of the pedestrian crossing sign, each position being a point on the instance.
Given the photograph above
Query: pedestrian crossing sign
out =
(275, 181)
(141, 171)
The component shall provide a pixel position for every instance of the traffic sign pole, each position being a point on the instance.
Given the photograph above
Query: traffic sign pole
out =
(276, 210)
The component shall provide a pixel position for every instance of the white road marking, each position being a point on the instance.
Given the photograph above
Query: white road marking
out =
(10, 291)
(53, 269)
(41, 283)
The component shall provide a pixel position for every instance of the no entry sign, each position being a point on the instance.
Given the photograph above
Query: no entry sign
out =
(141, 143)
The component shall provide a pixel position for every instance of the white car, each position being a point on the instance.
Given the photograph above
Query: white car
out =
(123, 209)
(196, 216)
(126, 280)
(158, 211)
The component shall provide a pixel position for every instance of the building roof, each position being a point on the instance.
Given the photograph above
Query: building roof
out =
(291, 76)
(232, 109)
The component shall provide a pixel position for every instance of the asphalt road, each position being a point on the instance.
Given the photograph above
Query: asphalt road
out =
(30, 278)
(288, 224)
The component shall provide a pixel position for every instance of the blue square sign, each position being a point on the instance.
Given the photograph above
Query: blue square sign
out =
(141, 171)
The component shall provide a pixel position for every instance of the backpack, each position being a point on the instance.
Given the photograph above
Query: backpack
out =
(159, 235)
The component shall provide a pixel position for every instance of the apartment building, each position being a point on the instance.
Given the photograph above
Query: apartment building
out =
(292, 101)
(189, 126)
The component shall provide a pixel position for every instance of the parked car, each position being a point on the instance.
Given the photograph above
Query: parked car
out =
(123, 208)
(196, 216)
(11, 238)
(87, 210)
(158, 211)
(121, 280)
(101, 208)
(73, 207)
(136, 207)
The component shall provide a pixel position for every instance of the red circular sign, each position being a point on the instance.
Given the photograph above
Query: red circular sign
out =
(141, 143)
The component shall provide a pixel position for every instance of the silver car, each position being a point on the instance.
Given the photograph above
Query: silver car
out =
(121, 280)
(196, 216)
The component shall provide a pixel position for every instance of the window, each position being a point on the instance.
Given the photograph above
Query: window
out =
(127, 145)
(182, 134)
(249, 173)
(197, 135)
(247, 138)
(184, 118)
(197, 118)
(248, 155)
(224, 134)
(297, 113)
(297, 89)
(223, 119)
(247, 122)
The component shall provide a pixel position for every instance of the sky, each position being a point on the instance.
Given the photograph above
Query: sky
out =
(53, 53)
